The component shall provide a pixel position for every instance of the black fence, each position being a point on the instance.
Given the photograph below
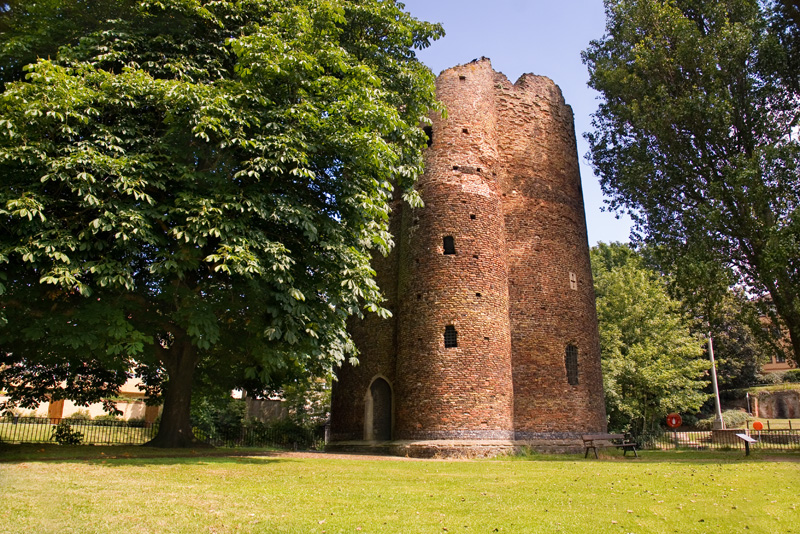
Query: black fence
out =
(111, 432)
(264, 436)
(766, 440)
(96, 432)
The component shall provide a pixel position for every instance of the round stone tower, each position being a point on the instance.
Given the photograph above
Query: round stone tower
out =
(494, 332)
(454, 341)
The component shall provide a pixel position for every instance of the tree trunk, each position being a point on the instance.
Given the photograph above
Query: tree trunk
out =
(175, 430)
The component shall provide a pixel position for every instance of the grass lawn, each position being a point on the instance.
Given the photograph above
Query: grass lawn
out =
(84, 490)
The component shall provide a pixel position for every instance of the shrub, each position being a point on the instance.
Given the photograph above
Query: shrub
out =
(137, 422)
(214, 419)
(792, 376)
(107, 420)
(731, 418)
(289, 433)
(771, 379)
(80, 415)
(64, 435)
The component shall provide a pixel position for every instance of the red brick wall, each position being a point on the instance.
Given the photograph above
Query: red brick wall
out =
(502, 179)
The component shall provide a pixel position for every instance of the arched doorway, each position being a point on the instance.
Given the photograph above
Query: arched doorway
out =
(378, 416)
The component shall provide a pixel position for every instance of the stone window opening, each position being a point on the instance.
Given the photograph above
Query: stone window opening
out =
(462, 78)
(571, 363)
(573, 281)
(455, 167)
(429, 132)
(478, 295)
(473, 216)
(449, 245)
(465, 130)
(450, 337)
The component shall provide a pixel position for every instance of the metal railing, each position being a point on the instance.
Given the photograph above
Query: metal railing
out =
(260, 436)
(117, 432)
(97, 432)
(770, 440)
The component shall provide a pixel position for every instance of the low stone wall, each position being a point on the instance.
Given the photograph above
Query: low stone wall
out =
(783, 404)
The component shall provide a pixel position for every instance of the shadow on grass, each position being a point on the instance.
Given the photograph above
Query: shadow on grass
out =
(138, 455)
(122, 455)
(663, 456)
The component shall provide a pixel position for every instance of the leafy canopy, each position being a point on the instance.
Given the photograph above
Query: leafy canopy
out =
(696, 137)
(201, 184)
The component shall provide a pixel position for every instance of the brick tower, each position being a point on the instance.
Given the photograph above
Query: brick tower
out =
(493, 341)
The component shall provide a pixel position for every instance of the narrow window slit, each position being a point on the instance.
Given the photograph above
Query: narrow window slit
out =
(449, 245)
(429, 132)
(450, 337)
(571, 363)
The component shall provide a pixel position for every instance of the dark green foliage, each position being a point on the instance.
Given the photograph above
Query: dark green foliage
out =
(696, 138)
(108, 420)
(32, 30)
(792, 376)
(224, 419)
(192, 191)
(63, 434)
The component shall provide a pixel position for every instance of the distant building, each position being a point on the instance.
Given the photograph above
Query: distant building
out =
(777, 364)
(130, 402)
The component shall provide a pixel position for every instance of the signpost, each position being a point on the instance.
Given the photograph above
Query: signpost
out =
(747, 441)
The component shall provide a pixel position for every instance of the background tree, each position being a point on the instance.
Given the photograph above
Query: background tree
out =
(744, 338)
(696, 138)
(652, 364)
(198, 186)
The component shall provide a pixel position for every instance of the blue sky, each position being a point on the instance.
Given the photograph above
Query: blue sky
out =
(544, 37)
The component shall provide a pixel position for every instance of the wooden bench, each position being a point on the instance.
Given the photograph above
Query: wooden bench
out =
(591, 441)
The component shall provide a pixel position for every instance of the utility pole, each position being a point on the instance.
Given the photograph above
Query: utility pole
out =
(719, 424)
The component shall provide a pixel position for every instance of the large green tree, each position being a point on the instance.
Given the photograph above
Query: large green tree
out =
(196, 186)
(652, 363)
(696, 137)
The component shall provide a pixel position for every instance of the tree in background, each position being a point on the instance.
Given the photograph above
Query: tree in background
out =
(192, 189)
(696, 137)
(652, 363)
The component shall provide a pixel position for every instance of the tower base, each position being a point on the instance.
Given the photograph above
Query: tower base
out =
(449, 448)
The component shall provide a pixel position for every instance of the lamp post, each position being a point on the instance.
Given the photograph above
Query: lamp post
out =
(719, 424)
